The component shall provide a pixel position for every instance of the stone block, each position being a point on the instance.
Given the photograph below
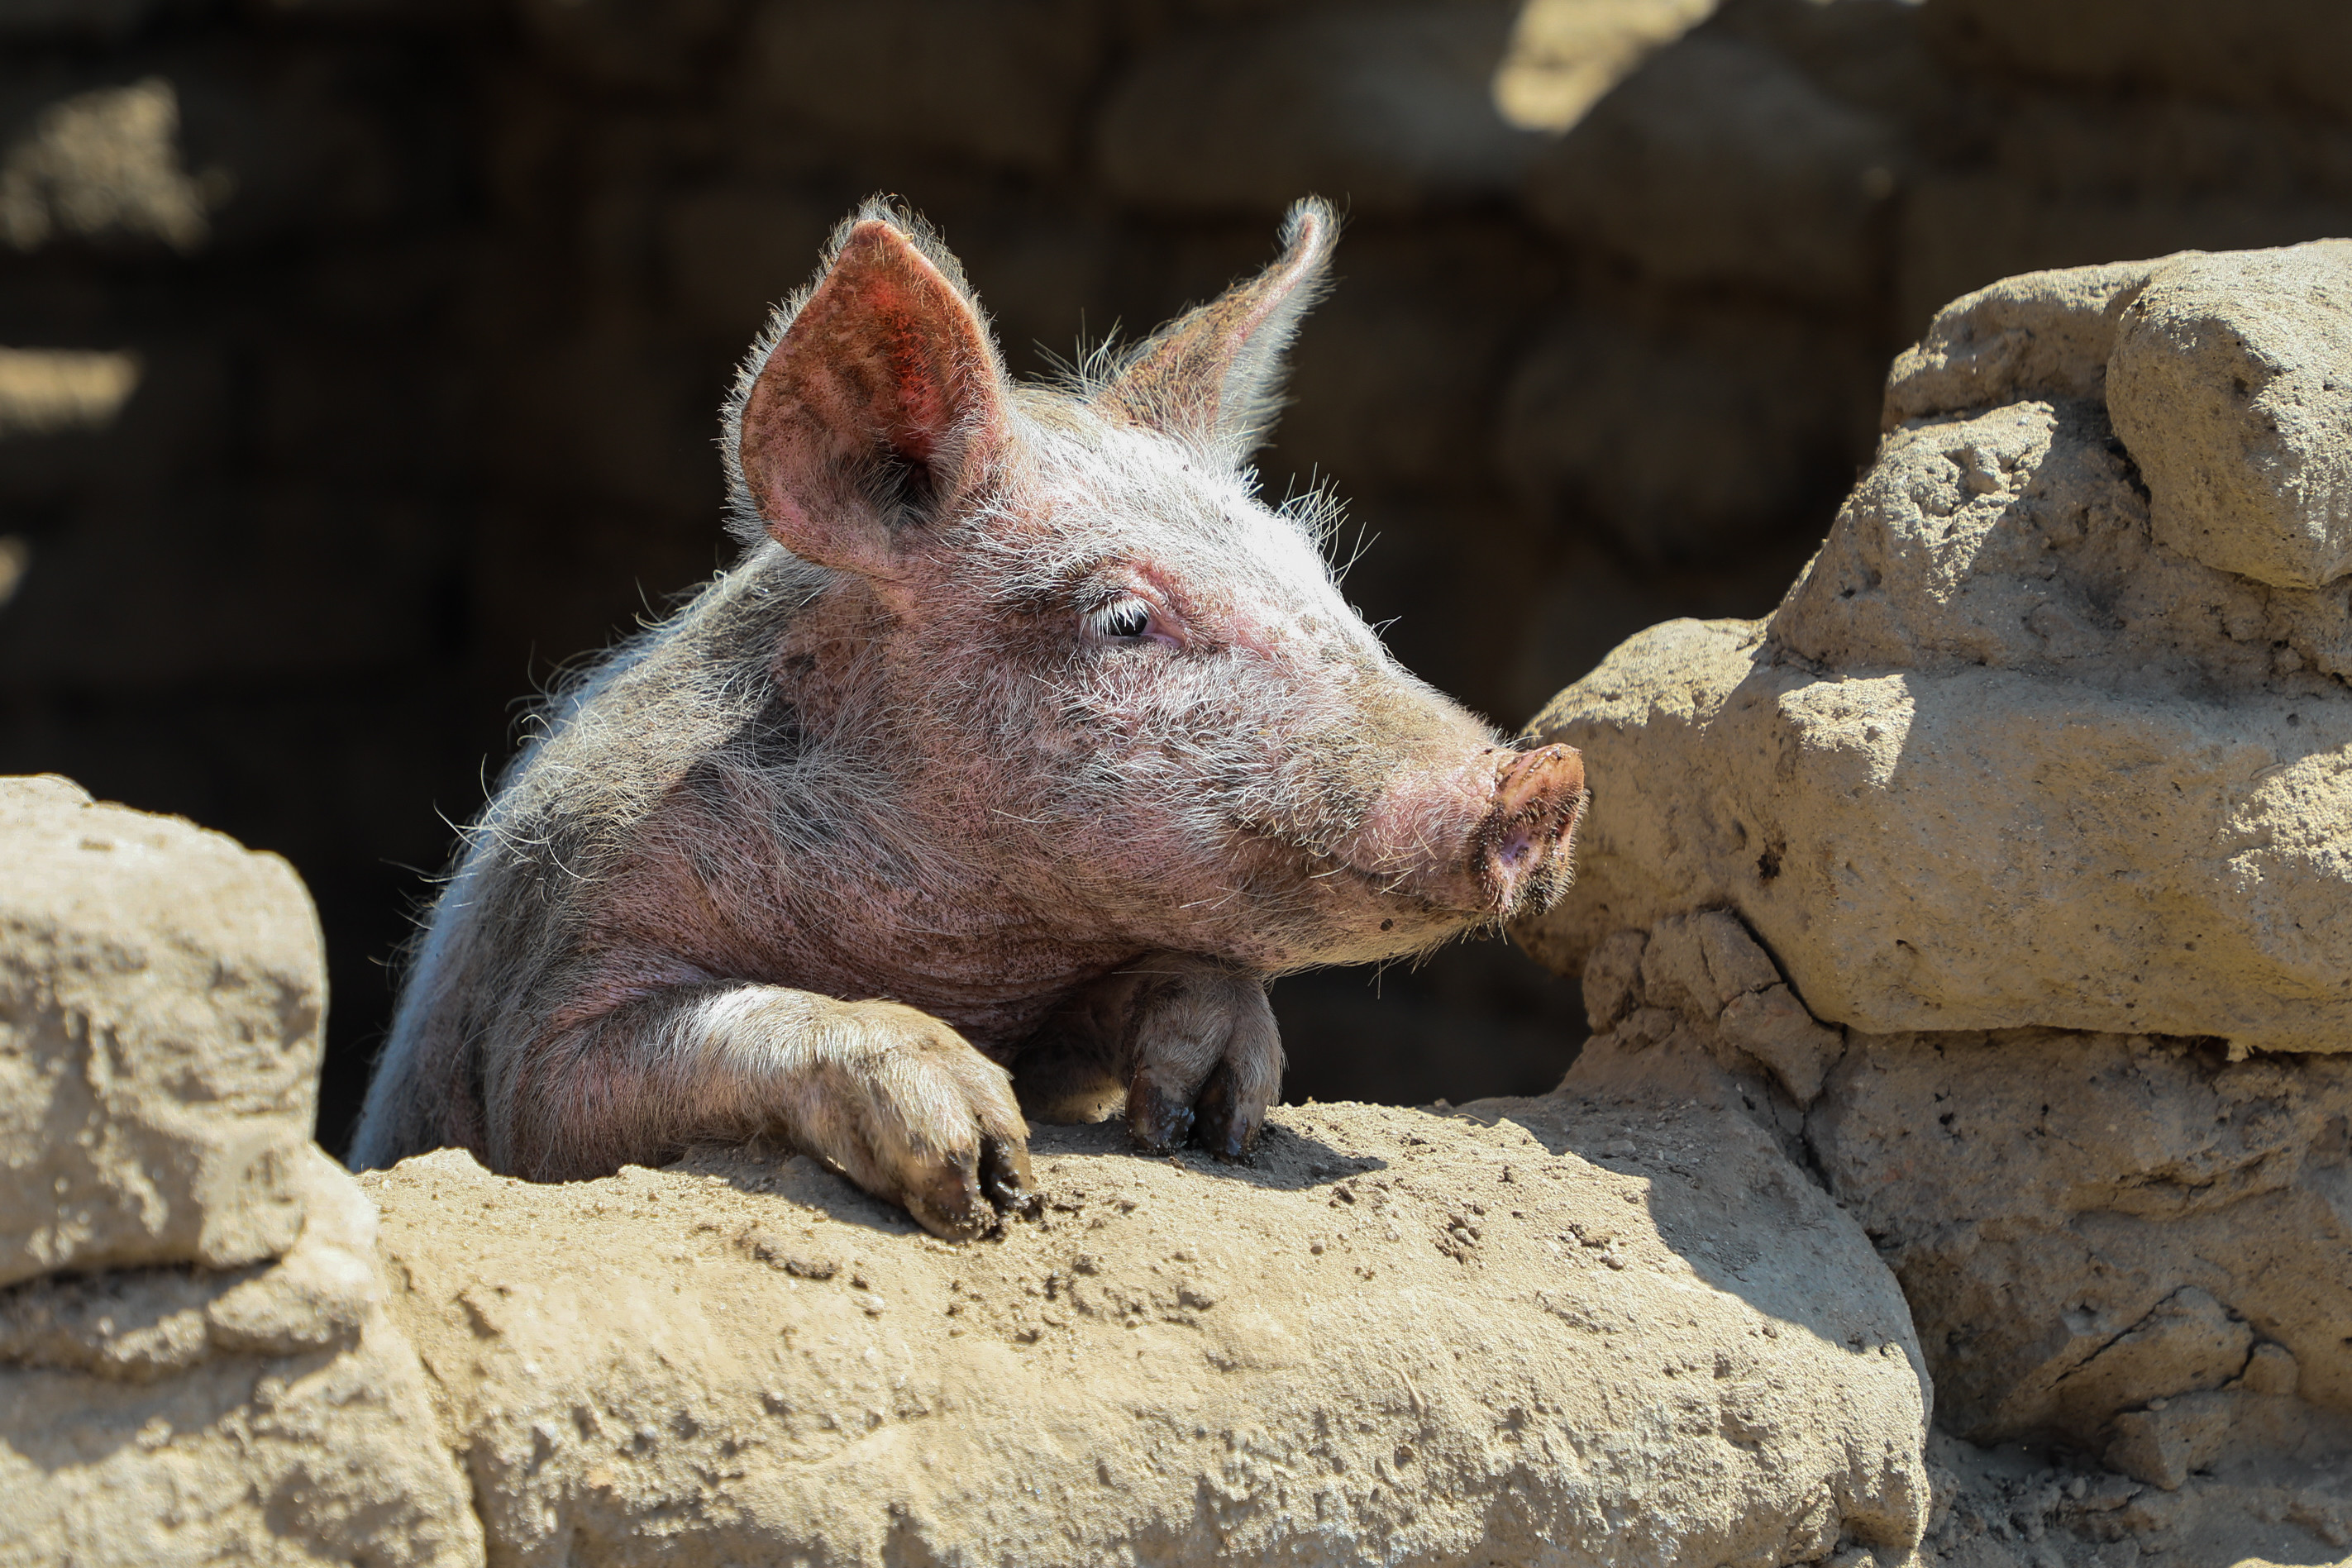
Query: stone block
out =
(270, 1413)
(162, 994)
(1704, 975)
(2228, 385)
(1583, 1330)
(1772, 1026)
(2087, 1222)
(2041, 335)
(1996, 694)
(2161, 1445)
(1878, 834)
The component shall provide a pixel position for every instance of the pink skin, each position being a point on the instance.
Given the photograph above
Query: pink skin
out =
(1044, 747)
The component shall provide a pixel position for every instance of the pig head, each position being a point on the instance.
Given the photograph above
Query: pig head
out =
(1025, 734)
(1144, 705)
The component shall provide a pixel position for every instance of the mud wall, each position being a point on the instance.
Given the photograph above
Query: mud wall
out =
(360, 356)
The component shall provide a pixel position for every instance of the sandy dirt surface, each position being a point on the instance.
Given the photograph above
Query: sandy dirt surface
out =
(1531, 1331)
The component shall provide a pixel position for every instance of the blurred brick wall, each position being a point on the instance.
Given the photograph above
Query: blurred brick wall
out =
(361, 357)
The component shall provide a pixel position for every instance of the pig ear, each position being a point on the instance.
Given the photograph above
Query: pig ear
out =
(1214, 376)
(881, 404)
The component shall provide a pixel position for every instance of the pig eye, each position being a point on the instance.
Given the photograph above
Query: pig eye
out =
(1122, 618)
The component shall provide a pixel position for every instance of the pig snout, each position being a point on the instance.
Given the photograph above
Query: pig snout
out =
(1529, 828)
(1477, 841)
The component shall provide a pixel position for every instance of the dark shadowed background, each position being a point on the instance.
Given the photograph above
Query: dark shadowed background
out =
(361, 357)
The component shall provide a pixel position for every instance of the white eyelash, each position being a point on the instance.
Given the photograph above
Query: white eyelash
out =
(1102, 619)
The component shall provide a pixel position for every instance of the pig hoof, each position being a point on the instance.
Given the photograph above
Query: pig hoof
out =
(1224, 1127)
(949, 1205)
(1218, 1120)
(968, 1199)
(1004, 1178)
(907, 1109)
(1206, 1055)
(1157, 1120)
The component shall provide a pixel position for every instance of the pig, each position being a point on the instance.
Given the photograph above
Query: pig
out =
(1023, 734)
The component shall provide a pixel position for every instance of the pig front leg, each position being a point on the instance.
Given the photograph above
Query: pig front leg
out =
(894, 1098)
(1189, 1043)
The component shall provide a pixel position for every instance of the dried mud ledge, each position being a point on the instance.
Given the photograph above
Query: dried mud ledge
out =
(1959, 1172)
